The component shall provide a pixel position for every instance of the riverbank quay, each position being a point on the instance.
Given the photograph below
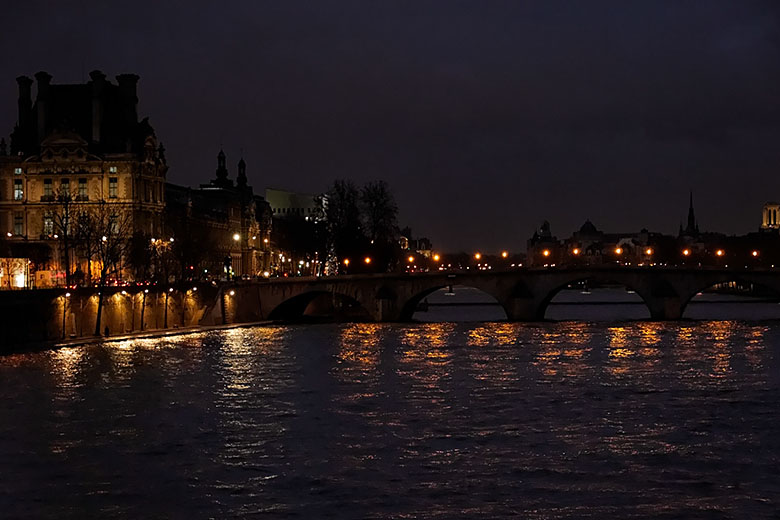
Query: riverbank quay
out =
(151, 334)
(51, 317)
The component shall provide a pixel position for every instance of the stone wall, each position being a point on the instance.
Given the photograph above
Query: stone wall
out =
(55, 314)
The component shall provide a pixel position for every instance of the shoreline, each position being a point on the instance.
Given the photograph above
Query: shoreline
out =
(157, 333)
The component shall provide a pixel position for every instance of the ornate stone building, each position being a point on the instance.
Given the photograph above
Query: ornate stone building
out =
(224, 227)
(83, 144)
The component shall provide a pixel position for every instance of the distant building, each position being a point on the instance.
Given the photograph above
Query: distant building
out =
(83, 144)
(769, 217)
(290, 205)
(227, 228)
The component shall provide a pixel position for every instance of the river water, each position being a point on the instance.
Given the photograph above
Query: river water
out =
(572, 419)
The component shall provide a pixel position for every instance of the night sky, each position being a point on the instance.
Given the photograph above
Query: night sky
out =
(485, 117)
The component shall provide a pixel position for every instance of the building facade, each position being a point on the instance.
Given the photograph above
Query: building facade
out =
(76, 149)
(223, 228)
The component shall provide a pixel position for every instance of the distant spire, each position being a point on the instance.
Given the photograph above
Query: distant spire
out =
(692, 229)
(222, 172)
(241, 180)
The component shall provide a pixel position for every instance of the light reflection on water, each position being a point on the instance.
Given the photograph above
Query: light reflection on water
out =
(490, 420)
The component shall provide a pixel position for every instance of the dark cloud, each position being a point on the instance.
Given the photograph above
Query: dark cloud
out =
(484, 117)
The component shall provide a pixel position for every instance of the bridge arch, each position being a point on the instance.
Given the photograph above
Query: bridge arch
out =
(410, 306)
(761, 290)
(319, 304)
(594, 279)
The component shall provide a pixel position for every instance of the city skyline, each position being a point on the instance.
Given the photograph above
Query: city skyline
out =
(609, 112)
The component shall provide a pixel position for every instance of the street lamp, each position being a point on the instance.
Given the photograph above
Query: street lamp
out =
(236, 237)
(504, 254)
(411, 259)
(367, 260)
(477, 256)
(436, 258)
(546, 252)
(618, 251)
(754, 253)
(575, 251)
(649, 251)
(719, 252)
(686, 252)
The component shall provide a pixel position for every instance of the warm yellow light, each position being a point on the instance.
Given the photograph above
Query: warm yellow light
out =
(504, 254)
(436, 258)
(232, 293)
(719, 252)
(265, 241)
(686, 252)
(618, 251)
(477, 256)
(367, 260)
(236, 237)
(754, 253)
(575, 251)
(346, 261)
(649, 251)
(546, 252)
(411, 259)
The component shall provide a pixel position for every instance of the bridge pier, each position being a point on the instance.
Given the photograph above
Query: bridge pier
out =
(665, 309)
(522, 309)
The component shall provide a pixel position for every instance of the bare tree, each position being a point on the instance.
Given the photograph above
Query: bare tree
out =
(64, 214)
(104, 231)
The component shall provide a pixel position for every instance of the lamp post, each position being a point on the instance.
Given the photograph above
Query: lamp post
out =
(64, 307)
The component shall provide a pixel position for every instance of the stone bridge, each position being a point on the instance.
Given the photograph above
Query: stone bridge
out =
(523, 294)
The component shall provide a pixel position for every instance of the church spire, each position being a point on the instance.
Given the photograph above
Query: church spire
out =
(693, 228)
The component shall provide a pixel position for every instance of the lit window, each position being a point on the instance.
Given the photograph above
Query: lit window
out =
(113, 222)
(47, 190)
(112, 169)
(18, 223)
(65, 187)
(112, 187)
(18, 190)
(17, 171)
(48, 225)
(83, 189)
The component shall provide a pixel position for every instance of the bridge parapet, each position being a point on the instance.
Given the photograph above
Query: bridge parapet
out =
(524, 294)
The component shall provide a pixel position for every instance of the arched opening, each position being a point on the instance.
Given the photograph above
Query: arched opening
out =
(455, 303)
(734, 300)
(595, 300)
(320, 306)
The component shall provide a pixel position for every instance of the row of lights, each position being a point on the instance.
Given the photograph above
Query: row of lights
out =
(649, 251)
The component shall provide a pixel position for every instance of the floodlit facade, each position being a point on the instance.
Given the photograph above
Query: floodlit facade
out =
(75, 148)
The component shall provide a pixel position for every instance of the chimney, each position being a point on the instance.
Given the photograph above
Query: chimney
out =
(98, 84)
(127, 93)
(42, 102)
(25, 104)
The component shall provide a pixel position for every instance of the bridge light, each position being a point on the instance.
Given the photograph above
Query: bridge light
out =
(754, 253)
(649, 251)
(411, 259)
(504, 254)
(436, 258)
(546, 252)
(367, 260)
(575, 251)
(346, 261)
(477, 256)
(719, 252)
